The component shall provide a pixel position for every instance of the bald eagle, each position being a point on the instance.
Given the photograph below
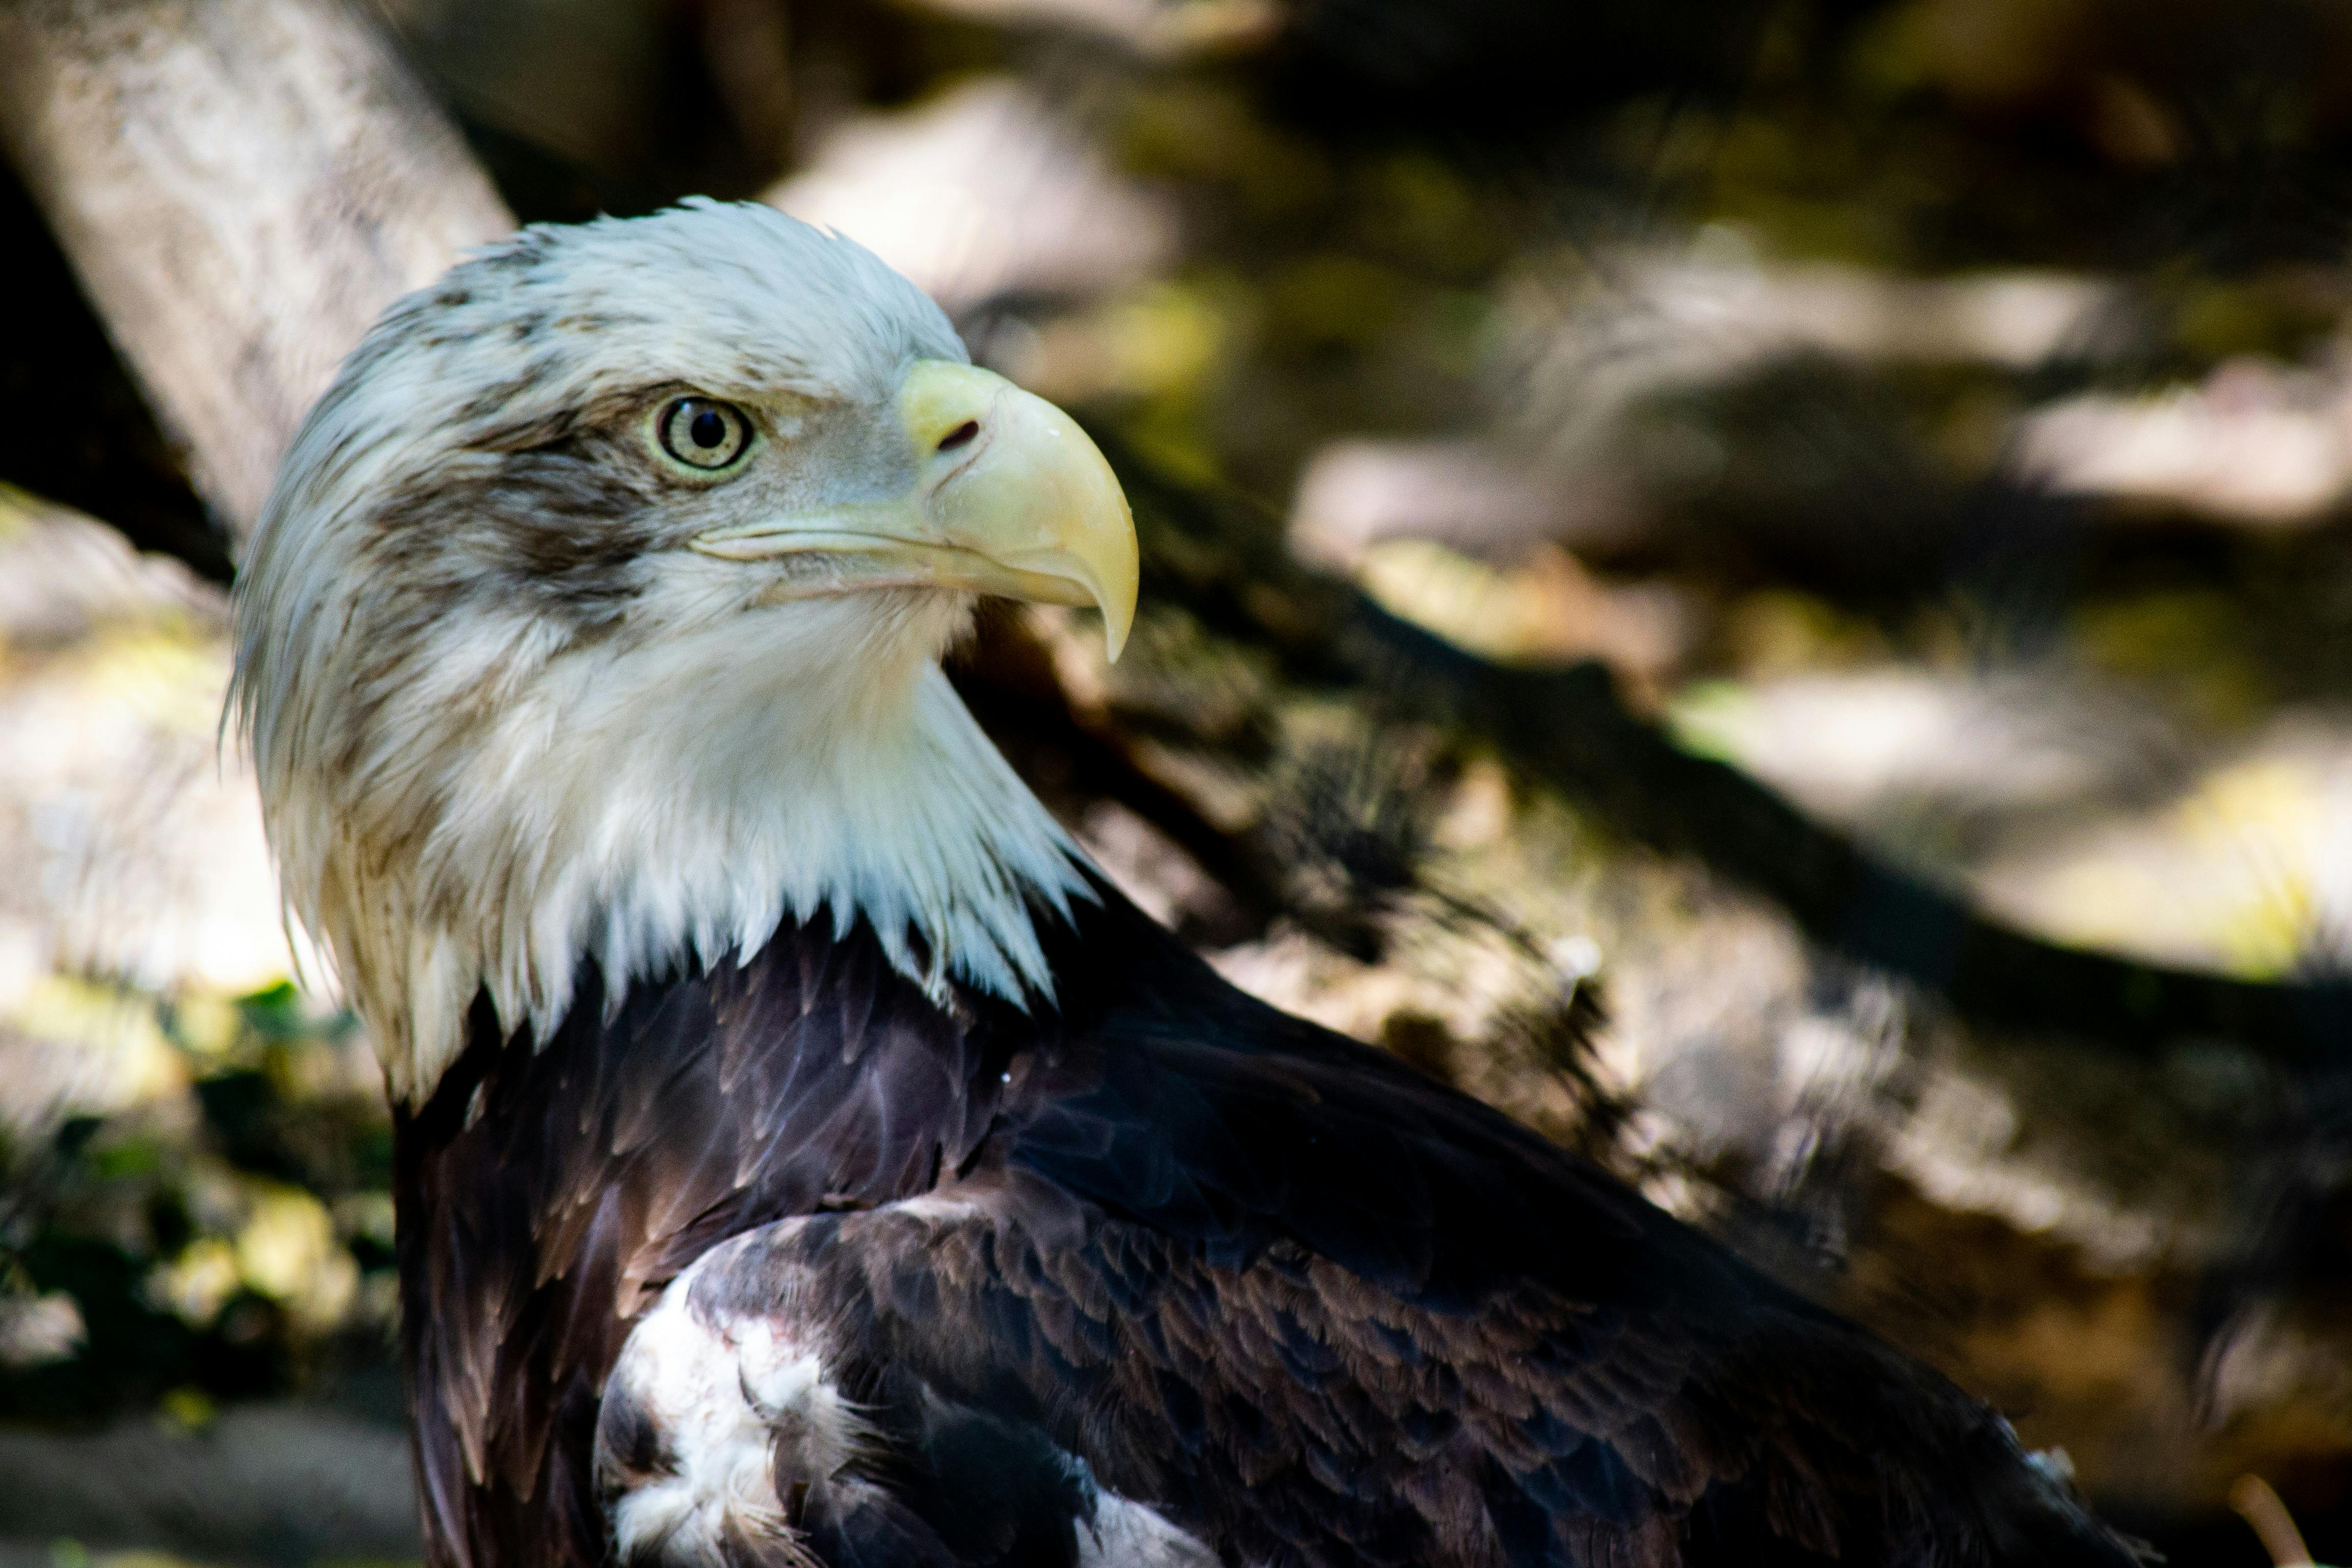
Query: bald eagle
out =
(803, 1154)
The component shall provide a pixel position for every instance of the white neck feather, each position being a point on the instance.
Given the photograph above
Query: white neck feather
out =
(678, 803)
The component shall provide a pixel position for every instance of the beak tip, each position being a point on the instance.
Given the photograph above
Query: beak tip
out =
(1118, 605)
(1040, 501)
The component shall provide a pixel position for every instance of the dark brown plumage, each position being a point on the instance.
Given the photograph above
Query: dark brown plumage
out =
(1311, 1305)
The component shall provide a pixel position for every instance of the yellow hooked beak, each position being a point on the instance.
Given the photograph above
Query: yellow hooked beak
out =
(1010, 497)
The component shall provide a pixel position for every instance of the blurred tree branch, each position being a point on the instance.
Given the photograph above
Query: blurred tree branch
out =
(1571, 727)
(241, 185)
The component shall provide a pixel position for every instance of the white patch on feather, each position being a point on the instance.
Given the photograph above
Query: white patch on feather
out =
(1126, 1534)
(738, 1400)
(741, 1399)
(730, 1402)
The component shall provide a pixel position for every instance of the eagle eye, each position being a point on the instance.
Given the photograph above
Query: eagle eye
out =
(702, 432)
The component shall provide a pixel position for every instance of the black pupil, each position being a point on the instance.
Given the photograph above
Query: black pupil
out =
(707, 429)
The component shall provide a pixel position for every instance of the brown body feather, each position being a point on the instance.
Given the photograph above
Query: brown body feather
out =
(1309, 1306)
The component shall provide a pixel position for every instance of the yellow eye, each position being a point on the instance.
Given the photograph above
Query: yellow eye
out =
(702, 432)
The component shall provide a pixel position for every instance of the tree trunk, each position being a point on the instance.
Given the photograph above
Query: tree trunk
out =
(242, 185)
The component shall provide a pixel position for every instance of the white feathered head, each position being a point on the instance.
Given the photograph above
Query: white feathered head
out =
(596, 613)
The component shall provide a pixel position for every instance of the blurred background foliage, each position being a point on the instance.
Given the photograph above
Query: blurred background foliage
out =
(1937, 411)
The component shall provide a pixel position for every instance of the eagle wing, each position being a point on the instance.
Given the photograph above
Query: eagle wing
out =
(552, 1188)
(1222, 1285)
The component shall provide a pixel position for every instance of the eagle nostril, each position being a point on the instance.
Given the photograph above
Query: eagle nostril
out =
(960, 435)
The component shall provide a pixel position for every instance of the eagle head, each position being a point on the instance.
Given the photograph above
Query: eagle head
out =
(596, 613)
